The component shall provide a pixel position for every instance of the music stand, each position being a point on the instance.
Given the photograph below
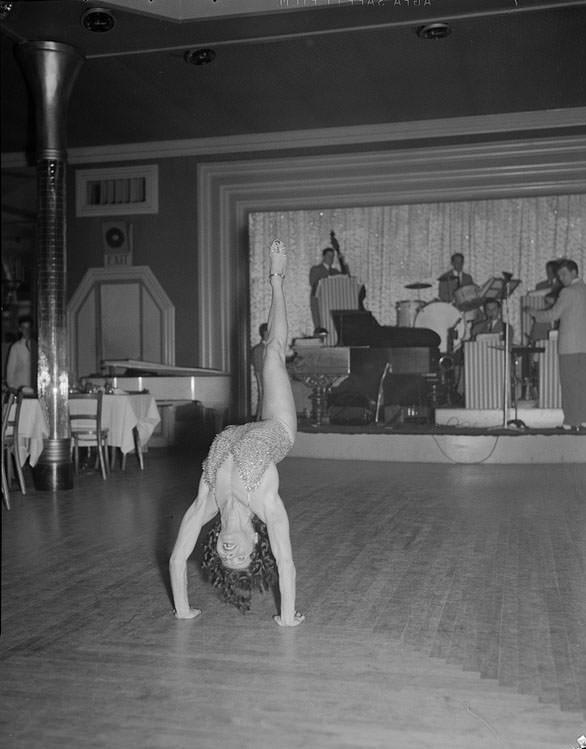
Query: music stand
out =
(496, 288)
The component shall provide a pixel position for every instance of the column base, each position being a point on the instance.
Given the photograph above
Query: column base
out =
(54, 471)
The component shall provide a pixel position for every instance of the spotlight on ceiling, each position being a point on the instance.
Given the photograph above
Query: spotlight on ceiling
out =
(5, 9)
(98, 20)
(199, 56)
(433, 31)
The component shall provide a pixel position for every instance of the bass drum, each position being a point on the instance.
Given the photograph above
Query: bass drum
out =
(441, 317)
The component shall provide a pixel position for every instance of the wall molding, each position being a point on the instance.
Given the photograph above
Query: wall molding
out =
(391, 132)
(228, 191)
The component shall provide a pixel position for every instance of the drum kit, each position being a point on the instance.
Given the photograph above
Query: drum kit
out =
(452, 322)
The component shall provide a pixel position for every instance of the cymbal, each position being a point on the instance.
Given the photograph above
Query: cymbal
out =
(418, 285)
(471, 304)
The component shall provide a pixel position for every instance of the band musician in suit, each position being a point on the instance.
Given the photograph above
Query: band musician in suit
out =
(453, 279)
(551, 283)
(492, 321)
(323, 270)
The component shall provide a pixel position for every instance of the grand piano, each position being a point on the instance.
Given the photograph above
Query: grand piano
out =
(405, 358)
(171, 387)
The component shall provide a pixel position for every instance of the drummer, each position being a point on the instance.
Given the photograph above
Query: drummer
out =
(453, 279)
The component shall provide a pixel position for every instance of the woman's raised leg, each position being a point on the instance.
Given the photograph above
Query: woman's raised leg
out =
(277, 400)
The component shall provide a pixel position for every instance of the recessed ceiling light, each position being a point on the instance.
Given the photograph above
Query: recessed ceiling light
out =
(98, 20)
(433, 31)
(199, 56)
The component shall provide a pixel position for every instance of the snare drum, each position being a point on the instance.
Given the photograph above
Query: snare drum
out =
(441, 317)
(407, 312)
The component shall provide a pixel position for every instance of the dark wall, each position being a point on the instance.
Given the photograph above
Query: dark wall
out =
(166, 242)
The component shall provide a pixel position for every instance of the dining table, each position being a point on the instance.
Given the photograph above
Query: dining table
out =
(127, 416)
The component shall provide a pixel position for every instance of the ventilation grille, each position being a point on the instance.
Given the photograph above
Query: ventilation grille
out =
(120, 190)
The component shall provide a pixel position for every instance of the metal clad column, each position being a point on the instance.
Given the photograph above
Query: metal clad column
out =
(51, 69)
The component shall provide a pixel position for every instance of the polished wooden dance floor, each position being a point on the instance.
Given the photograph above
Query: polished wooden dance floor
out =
(446, 607)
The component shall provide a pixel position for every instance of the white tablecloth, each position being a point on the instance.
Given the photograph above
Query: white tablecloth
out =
(121, 414)
(32, 429)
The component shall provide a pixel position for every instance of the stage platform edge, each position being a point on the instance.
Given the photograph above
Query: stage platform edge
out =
(432, 446)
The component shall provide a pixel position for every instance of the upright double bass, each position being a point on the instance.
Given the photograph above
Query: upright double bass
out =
(335, 244)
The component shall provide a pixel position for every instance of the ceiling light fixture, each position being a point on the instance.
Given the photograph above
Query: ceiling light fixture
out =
(433, 31)
(98, 20)
(199, 56)
(5, 9)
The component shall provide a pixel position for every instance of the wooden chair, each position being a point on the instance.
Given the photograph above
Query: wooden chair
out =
(10, 440)
(7, 403)
(87, 431)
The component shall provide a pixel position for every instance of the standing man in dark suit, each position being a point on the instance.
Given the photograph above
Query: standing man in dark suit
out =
(570, 310)
(323, 270)
(453, 279)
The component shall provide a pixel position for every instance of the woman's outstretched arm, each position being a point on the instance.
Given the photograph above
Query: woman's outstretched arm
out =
(199, 513)
(277, 523)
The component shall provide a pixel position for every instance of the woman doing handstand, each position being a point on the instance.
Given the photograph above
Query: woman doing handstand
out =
(240, 482)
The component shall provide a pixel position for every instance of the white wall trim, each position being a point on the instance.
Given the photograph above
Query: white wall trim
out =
(228, 191)
(391, 132)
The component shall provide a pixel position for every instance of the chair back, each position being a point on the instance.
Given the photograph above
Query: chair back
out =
(87, 418)
(8, 400)
(13, 403)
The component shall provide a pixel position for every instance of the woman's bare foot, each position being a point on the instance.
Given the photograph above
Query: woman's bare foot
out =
(278, 258)
(298, 619)
(189, 614)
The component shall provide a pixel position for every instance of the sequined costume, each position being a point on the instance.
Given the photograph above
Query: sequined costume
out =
(254, 446)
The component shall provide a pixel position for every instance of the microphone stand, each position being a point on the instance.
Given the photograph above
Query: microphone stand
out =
(507, 383)
(379, 399)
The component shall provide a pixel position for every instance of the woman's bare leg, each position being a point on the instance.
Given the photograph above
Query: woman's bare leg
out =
(277, 399)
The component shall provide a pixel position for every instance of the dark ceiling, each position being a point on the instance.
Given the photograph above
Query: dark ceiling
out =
(304, 65)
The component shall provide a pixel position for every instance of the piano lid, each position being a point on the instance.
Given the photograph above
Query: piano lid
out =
(361, 328)
(137, 366)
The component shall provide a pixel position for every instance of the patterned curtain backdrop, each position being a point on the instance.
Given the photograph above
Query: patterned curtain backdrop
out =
(390, 246)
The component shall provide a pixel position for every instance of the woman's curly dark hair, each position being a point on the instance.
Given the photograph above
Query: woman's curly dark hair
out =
(236, 586)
